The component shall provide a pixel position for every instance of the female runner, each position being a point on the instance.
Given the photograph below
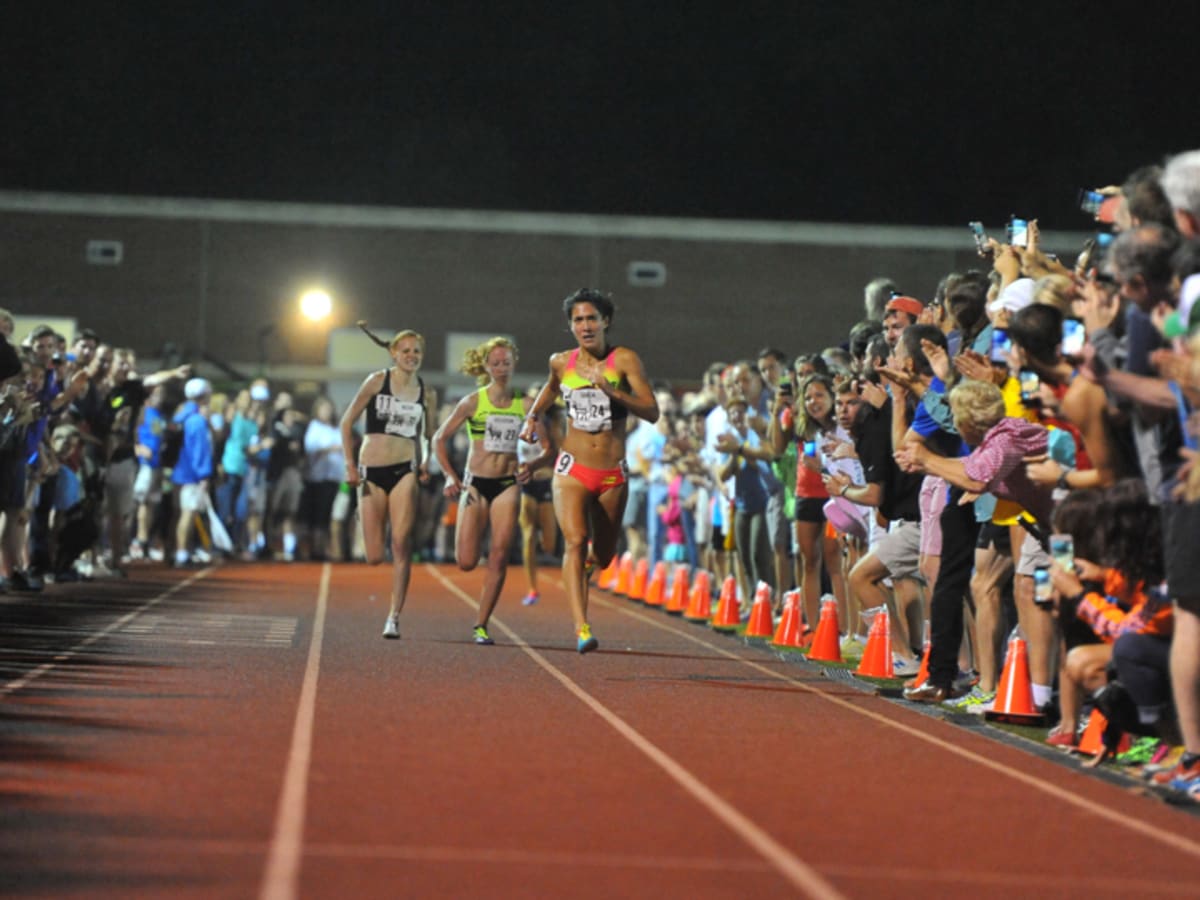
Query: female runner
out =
(537, 502)
(601, 384)
(393, 456)
(489, 492)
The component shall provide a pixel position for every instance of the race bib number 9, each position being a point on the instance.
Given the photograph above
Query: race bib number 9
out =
(590, 409)
(500, 434)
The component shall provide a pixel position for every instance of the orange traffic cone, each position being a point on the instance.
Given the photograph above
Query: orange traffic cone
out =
(624, 574)
(678, 597)
(1092, 741)
(608, 578)
(700, 602)
(923, 671)
(787, 633)
(637, 584)
(1014, 693)
(760, 624)
(728, 615)
(876, 660)
(826, 645)
(657, 584)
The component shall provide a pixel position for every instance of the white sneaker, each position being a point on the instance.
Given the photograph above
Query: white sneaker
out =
(155, 554)
(905, 668)
(202, 556)
(391, 628)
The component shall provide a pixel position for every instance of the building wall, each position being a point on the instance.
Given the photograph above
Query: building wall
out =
(223, 278)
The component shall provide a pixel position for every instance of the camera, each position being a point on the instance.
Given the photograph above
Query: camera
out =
(1073, 336)
(1018, 232)
(1043, 589)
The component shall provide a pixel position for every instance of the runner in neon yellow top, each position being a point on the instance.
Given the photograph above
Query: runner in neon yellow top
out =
(487, 492)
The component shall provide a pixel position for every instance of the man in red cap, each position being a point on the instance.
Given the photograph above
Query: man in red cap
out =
(899, 313)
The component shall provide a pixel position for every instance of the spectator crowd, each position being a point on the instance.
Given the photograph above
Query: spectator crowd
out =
(1011, 449)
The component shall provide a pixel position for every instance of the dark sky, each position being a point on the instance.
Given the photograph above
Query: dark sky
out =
(924, 113)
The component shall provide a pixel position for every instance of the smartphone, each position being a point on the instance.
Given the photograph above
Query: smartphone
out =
(810, 448)
(1104, 239)
(981, 238)
(1043, 588)
(1018, 232)
(1062, 548)
(1073, 336)
(1001, 346)
(1031, 384)
(785, 386)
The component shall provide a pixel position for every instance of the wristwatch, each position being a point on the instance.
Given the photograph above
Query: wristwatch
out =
(1062, 479)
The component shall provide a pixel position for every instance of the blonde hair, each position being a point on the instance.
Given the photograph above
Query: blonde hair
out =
(977, 404)
(401, 335)
(475, 359)
(1056, 291)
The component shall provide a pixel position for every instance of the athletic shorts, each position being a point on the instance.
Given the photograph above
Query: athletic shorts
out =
(900, 549)
(541, 490)
(635, 504)
(285, 494)
(779, 531)
(597, 481)
(993, 535)
(932, 502)
(147, 485)
(118, 487)
(810, 509)
(192, 497)
(1033, 556)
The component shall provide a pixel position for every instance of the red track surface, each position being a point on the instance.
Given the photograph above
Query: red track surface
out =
(161, 745)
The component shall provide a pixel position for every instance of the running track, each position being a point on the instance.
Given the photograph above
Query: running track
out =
(243, 731)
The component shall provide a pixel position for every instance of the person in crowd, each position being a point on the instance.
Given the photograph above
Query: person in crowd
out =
(322, 477)
(194, 468)
(996, 463)
(810, 423)
(393, 455)
(876, 295)
(235, 463)
(148, 482)
(1109, 588)
(601, 384)
(284, 477)
(539, 528)
(747, 461)
(900, 312)
(488, 492)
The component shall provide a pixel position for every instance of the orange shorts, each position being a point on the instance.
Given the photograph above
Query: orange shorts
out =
(597, 481)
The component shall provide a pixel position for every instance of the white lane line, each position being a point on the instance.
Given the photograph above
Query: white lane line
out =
(60, 658)
(1175, 841)
(798, 873)
(281, 880)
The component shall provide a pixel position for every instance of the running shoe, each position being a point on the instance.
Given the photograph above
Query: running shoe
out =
(975, 702)
(530, 598)
(905, 668)
(1164, 763)
(1140, 752)
(1182, 777)
(482, 637)
(391, 628)
(586, 643)
(1063, 738)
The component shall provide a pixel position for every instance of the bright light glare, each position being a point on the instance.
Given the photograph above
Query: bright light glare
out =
(316, 305)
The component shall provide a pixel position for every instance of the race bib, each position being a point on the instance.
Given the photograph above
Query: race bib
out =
(590, 409)
(500, 434)
(563, 464)
(402, 417)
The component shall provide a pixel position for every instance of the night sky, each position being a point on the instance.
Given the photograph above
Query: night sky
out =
(929, 113)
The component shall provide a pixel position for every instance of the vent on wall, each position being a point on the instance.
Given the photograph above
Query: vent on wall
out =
(105, 253)
(647, 274)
